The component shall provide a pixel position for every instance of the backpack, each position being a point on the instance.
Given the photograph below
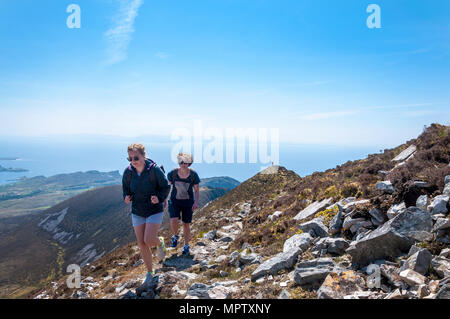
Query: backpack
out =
(152, 173)
(175, 173)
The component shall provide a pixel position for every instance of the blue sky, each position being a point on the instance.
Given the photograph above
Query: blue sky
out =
(313, 69)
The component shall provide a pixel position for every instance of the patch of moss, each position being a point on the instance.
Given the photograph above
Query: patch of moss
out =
(328, 214)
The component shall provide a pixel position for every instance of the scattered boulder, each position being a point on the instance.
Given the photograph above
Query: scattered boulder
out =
(337, 285)
(335, 246)
(445, 253)
(315, 227)
(441, 223)
(377, 215)
(249, 259)
(405, 154)
(439, 205)
(380, 244)
(211, 235)
(419, 261)
(301, 241)
(412, 277)
(422, 202)
(447, 179)
(336, 223)
(284, 294)
(396, 209)
(313, 272)
(313, 209)
(385, 186)
(275, 215)
(441, 266)
(284, 260)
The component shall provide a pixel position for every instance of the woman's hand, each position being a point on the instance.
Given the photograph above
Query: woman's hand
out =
(154, 199)
(127, 199)
(195, 206)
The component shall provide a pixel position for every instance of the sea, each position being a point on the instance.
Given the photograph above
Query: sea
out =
(48, 156)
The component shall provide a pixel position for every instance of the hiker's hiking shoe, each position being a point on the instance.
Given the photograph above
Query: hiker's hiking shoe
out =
(149, 277)
(185, 251)
(161, 249)
(174, 241)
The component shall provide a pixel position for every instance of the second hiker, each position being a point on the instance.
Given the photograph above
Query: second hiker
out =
(183, 199)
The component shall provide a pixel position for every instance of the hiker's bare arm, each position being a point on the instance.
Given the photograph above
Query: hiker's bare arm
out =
(196, 196)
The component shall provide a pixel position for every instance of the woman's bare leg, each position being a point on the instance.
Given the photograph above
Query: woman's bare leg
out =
(174, 225)
(146, 253)
(186, 233)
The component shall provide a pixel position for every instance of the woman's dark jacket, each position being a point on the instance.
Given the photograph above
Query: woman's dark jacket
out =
(152, 181)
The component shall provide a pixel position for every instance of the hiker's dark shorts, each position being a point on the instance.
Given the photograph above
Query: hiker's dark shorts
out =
(181, 211)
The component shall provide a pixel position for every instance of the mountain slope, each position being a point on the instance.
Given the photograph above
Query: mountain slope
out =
(75, 231)
(251, 242)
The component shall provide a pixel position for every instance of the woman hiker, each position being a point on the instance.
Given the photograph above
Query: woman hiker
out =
(183, 198)
(146, 187)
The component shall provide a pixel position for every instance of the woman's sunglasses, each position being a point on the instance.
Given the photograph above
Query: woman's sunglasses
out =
(184, 163)
(130, 159)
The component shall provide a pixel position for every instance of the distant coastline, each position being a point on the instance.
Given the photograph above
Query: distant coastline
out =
(9, 158)
(13, 170)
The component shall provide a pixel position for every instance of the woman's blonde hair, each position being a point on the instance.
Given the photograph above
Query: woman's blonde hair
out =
(136, 147)
(185, 157)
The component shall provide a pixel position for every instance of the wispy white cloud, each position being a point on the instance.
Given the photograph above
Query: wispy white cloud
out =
(119, 36)
(334, 114)
(161, 55)
(325, 115)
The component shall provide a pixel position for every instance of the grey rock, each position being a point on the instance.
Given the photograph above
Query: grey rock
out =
(411, 223)
(301, 241)
(421, 184)
(338, 285)
(336, 223)
(441, 223)
(310, 276)
(391, 273)
(444, 292)
(422, 202)
(315, 227)
(445, 253)
(234, 258)
(420, 262)
(313, 209)
(285, 260)
(380, 244)
(284, 294)
(447, 179)
(148, 288)
(351, 205)
(414, 249)
(210, 235)
(275, 215)
(318, 262)
(405, 154)
(441, 266)
(377, 215)
(412, 277)
(446, 190)
(349, 222)
(336, 246)
(249, 259)
(385, 186)
(439, 205)
(396, 209)
(199, 290)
